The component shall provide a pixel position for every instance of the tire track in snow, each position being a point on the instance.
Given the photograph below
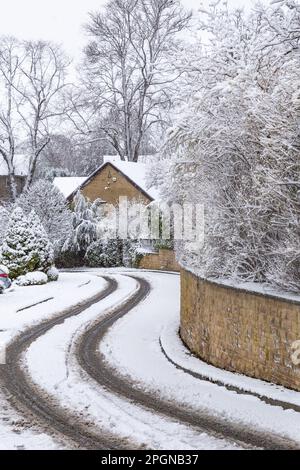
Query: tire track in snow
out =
(52, 418)
(25, 397)
(93, 362)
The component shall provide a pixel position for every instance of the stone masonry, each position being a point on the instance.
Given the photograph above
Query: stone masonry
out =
(241, 331)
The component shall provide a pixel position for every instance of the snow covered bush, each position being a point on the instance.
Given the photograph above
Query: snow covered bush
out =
(52, 274)
(18, 247)
(25, 247)
(235, 145)
(105, 253)
(131, 255)
(93, 256)
(50, 174)
(35, 278)
(83, 232)
(51, 207)
(5, 281)
(43, 246)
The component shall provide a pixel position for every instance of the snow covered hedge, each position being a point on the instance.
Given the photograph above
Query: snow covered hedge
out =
(235, 146)
(105, 253)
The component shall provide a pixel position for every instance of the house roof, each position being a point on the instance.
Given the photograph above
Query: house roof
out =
(68, 184)
(134, 172)
(21, 165)
(137, 173)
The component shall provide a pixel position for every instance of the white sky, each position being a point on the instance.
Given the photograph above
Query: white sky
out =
(61, 20)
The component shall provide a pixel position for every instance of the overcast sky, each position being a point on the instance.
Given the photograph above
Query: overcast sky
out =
(60, 20)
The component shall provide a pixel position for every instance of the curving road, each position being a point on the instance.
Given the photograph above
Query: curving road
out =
(27, 399)
(50, 416)
(94, 364)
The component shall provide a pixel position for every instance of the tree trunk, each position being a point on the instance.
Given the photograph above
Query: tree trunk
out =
(13, 186)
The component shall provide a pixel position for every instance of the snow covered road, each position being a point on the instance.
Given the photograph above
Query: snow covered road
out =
(94, 376)
(20, 309)
(93, 408)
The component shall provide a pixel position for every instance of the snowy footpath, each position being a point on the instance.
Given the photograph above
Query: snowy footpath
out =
(143, 349)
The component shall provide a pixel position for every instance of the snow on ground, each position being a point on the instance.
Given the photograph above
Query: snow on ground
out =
(81, 396)
(16, 433)
(68, 290)
(130, 344)
(134, 341)
(180, 355)
(22, 307)
(16, 315)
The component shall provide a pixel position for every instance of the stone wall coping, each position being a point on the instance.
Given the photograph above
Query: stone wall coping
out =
(258, 289)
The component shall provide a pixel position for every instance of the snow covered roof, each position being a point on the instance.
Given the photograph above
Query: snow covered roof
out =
(136, 172)
(21, 165)
(68, 184)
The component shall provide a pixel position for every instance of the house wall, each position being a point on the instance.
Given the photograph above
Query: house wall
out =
(164, 259)
(241, 331)
(5, 194)
(103, 186)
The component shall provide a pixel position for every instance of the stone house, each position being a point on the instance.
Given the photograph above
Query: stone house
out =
(115, 179)
(112, 180)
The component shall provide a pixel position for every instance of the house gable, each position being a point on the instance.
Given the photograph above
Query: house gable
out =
(109, 183)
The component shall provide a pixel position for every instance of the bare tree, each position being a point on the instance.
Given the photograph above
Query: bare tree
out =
(32, 82)
(10, 62)
(129, 69)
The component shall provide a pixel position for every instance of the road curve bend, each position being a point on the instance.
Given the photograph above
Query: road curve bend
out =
(31, 402)
(52, 418)
(93, 362)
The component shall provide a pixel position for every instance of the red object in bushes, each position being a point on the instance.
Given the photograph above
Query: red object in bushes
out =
(3, 275)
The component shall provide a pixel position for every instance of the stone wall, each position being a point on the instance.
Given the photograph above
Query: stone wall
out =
(241, 331)
(164, 260)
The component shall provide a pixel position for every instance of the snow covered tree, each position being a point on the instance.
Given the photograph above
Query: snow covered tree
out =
(51, 207)
(43, 246)
(128, 75)
(83, 233)
(235, 145)
(25, 247)
(18, 251)
(32, 84)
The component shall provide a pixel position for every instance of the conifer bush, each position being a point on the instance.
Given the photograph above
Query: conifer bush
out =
(26, 247)
(105, 253)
